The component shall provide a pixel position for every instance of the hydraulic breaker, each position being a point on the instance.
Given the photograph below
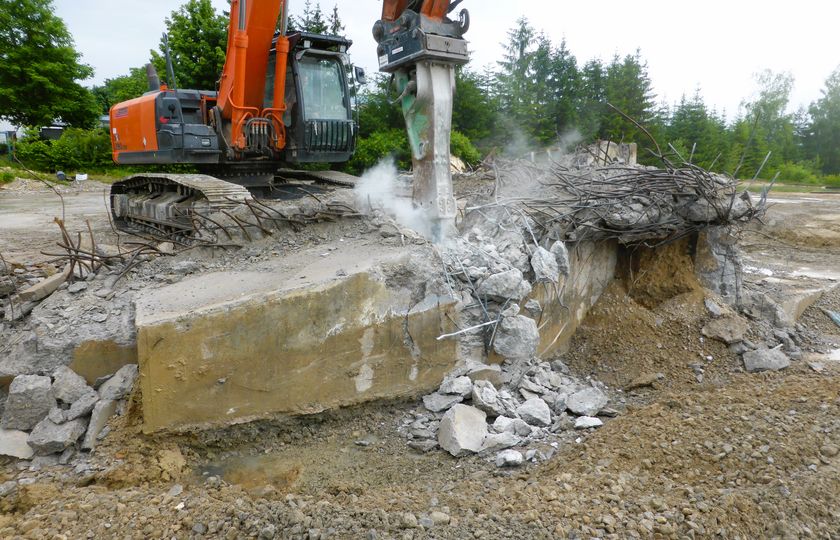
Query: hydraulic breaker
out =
(422, 54)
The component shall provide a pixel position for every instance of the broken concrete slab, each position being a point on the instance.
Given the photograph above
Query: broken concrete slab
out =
(587, 422)
(462, 430)
(765, 360)
(516, 338)
(509, 458)
(587, 402)
(51, 438)
(535, 412)
(508, 285)
(728, 330)
(120, 385)
(102, 412)
(68, 386)
(30, 400)
(491, 373)
(44, 288)
(13, 443)
(513, 425)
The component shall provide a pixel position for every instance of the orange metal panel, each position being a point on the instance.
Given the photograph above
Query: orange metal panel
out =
(133, 126)
(435, 9)
(392, 9)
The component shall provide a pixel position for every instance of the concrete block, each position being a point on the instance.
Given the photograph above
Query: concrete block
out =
(51, 438)
(68, 386)
(13, 443)
(587, 402)
(30, 400)
(102, 412)
(44, 288)
(120, 385)
(462, 430)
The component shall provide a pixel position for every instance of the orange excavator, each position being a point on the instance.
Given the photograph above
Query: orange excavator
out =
(285, 99)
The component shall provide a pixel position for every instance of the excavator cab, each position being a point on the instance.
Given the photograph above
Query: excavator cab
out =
(321, 120)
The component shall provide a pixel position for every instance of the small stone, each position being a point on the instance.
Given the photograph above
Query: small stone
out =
(56, 415)
(423, 446)
(462, 430)
(829, 450)
(494, 442)
(68, 386)
(50, 438)
(30, 400)
(486, 398)
(440, 402)
(175, 490)
(408, 521)
(120, 385)
(199, 528)
(586, 422)
(517, 338)
(587, 402)
(545, 266)
(509, 458)
(439, 518)
(66, 456)
(535, 412)
(13, 443)
(714, 309)
(533, 307)
(765, 360)
(461, 386)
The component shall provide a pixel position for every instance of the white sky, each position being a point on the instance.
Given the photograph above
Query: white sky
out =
(716, 45)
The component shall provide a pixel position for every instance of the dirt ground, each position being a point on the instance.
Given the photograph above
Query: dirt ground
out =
(698, 449)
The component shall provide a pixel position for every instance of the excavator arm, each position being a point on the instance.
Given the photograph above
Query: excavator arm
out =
(421, 47)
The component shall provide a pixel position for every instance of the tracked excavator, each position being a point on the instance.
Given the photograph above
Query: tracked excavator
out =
(286, 99)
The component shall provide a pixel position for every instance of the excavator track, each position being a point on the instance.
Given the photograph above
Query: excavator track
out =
(167, 204)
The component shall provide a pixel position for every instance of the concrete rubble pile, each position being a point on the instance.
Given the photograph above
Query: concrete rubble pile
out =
(60, 413)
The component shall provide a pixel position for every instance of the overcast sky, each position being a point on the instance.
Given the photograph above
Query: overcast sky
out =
(714, 45)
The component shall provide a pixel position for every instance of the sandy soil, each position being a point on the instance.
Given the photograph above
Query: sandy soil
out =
(728, 454)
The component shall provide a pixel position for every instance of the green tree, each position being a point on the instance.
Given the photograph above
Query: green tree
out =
(627, 86)
(121, 89)
(474, 109)
(699, 131)
(312, 19)
(40, 69)
(198, 41)
(336, 27)
(822, 136)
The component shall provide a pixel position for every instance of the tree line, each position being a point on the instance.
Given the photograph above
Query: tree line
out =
(538, 94)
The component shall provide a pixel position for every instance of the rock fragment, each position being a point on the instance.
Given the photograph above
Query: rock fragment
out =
(486, 398)
(561, 255)
(102, 412)
(535, 412)
(508, 285)
(82, 406)
(30, 400)
(494, 442)
(729, 330)
(509, 458)
(462, 430)
(461, 386)
(50, 438)
(491, 373)
(517, 426)
(517, 338)
(68, 386)
(765, 360)
(586, 422)
(119, 386)
(13, 443)
(545, 266)
(437, 402)
(587, 402)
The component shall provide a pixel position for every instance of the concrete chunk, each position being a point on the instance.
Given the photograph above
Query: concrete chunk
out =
(13, 443)
(508, 285)
(462, 430)
(765, 360)
(561, 255)
(102, 412)
(461, 386)
(486, 397)
(535, 412)
(44, 288)
(729, 330)
(517, 338)
(68, 386)
(586, 422)
(587, 402)
(440, 402)
(545, 265)
(516, 426)
(50, 438)
(509, 458)
(494, 442)
(119, 386)
(82, 406)
(30, 400)
(491, 373)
